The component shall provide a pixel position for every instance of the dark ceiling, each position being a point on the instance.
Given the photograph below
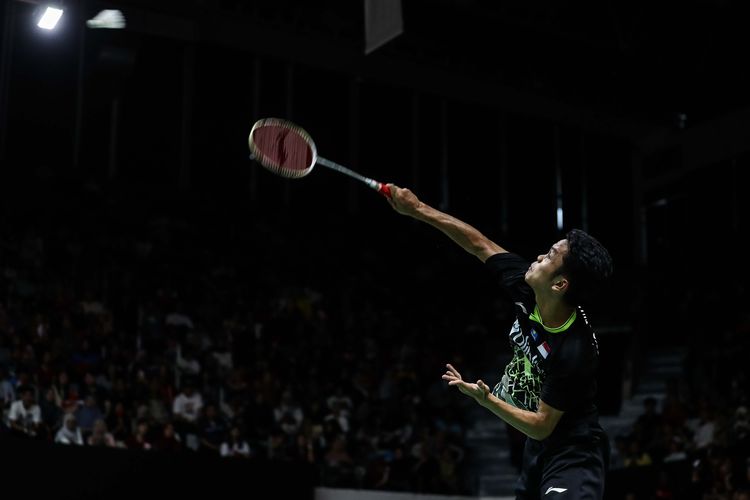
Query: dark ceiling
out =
(649, 61)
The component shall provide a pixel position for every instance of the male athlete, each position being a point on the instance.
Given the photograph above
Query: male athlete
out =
(548, 388)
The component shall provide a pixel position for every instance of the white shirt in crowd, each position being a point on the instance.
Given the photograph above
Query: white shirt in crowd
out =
(187, 407)
(25, 416)
(230, 450)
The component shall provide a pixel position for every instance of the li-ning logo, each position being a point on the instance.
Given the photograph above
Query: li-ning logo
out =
(555, 490)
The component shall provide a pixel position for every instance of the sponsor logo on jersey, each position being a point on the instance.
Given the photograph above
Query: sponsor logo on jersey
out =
(522, 341)
(556, 490)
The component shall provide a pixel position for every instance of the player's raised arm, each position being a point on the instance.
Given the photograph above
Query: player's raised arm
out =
(467, 237)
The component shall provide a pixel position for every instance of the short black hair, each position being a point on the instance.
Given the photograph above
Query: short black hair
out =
(587, 265)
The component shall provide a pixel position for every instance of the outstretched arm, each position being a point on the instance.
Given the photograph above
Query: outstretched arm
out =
(537, 425)
(467, 237)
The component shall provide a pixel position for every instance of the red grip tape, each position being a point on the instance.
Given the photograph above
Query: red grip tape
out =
(385, 191)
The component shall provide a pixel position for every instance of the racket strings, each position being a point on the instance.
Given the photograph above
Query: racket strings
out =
(283, 148)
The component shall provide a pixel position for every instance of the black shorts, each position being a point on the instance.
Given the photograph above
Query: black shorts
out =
(571, 469)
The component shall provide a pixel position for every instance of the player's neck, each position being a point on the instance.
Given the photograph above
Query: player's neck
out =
(554, 313)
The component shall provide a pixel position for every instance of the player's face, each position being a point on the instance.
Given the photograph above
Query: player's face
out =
(543, 272)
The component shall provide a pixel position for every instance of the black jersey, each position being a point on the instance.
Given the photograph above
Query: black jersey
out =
(556, 365)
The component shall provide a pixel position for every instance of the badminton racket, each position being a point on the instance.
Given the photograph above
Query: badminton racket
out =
(286, 149)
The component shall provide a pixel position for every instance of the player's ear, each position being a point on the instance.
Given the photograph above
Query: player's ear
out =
(560, 284)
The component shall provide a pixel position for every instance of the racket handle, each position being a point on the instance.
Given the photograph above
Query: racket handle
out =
(385, 191)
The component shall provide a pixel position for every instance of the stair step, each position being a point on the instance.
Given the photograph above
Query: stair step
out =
(490, 454)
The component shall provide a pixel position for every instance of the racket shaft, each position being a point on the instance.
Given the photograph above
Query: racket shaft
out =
(335, 166)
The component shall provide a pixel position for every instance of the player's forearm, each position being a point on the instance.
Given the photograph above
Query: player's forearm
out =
(530, 423)
(463, 234)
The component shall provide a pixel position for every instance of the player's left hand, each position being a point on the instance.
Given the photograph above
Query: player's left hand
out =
(478, 391)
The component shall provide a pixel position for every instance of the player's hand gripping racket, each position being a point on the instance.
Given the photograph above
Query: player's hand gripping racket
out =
(287, 150)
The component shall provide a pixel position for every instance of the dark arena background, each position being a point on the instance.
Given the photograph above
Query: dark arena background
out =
(146, 262)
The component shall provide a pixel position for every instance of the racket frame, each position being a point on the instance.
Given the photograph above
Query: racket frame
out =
(272, 165)
(291, 173)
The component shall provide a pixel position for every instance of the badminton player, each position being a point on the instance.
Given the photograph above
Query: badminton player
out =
(547, 390)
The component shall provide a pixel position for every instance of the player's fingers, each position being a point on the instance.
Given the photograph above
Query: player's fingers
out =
(453, 370)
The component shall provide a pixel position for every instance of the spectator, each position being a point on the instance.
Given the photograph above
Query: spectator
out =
(139, 440)
(7, 392)
(87, 415)
(100, 436)
(235, 446)
(340, 415)
(212, 428)
(339, 465)
(647, 425)
(119, 422)
(636, 457)
(288, 414)
(69, 433)
(185, 410)
(187, 405)
(169, 440)
(25, 416)
(704, 429)
(52, 413)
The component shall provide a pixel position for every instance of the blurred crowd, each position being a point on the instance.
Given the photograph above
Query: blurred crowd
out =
(209, 335)
(696, 439)
(183, 326)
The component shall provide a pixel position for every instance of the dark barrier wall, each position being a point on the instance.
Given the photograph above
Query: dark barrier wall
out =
(39, 470)
(646, 483)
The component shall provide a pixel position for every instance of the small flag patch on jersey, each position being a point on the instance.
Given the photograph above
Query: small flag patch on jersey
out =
(534, 335)
(544, 349)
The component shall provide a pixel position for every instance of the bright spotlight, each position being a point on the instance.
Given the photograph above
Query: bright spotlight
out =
(49, 19)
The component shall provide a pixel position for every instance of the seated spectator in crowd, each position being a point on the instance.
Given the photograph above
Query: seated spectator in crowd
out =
(212, 428)
(449, 462)
(187, 362)
(740, 429)
(340, 399)
(119, 422)
(676, 451)
(186, 408)
(339, 464)
(139, 440)
(169, 440)
(288, 413)
(87, 414)
(648, 423)
(704, 428)
(7, 392)
(25, 416)
(69, 433)
(187, 405)
(235, 446)
(52, 412)
(339, 414)
(636, 457)
(67, 390)
(100, 436)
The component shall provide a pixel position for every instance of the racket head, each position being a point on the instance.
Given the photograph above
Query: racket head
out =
(282, 147)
